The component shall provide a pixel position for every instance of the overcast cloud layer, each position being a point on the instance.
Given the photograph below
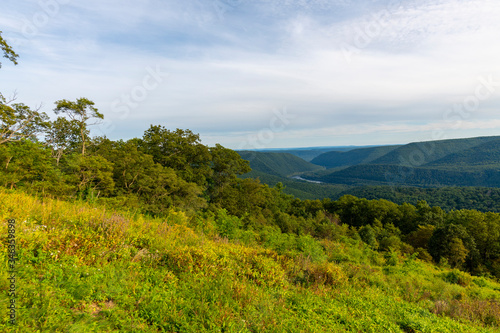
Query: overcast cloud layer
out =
(255, 74)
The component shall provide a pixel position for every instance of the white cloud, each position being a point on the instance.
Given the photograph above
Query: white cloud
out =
(232, 62)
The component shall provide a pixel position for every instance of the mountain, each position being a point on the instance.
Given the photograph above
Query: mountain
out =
(277, 164)
(310, 153)
(422, 153)
(485, 155)
(336, 159)
(456, 162)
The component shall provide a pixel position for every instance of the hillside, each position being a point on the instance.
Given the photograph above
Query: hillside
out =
(310, 153)
(484, 155)
(396, 175)
(459, 162)
(336, 159)
(421, 153)
(83, 268)
(449, 198)
(277, 164)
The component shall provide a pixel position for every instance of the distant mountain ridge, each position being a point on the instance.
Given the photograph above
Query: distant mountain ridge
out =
(422, 153)
(309, 153)
(277, 164)
(336, 159)
(454, 162)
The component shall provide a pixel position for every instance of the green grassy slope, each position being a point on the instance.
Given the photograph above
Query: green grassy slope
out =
(277, 164)
(85, 269)
(336, 159)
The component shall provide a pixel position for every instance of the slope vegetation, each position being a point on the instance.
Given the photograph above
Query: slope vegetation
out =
(422, 153)
(484, 155)
(460, 162)
(82, 268)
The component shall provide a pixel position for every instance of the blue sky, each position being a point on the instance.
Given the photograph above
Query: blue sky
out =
(264, 73)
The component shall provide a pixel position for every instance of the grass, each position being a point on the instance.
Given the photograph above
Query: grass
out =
(83, 268)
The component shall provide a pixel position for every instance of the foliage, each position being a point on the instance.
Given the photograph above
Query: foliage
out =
(80, 113)
(85, 268)
(19, 122)
(7, 51)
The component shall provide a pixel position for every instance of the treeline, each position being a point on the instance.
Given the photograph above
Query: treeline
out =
(163, 169)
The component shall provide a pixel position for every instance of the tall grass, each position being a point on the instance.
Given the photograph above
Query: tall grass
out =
(87, 269)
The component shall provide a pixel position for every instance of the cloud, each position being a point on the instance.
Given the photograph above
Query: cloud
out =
(347, 70)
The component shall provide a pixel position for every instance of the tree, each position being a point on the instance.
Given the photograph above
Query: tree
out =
(427, 215)
(80, 112)
(420, 238)
(368, 236)
(454, 243)
(26, 164)
(458, 253)
(226, 165)
(18, 121)
(180, 150)
(136, 175)
(92, 175)
(60, 135)
(7, 50)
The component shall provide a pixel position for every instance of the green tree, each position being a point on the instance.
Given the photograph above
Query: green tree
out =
(444, 244)
(93, 175)
(180, 150)
(62, 134)
(80, 113)
(427, 215)
(18, 121)
(26, 164)
(457, 252)
(368, 236)
(420, 237)
(136, 174)
(7, 51)
(226, 165)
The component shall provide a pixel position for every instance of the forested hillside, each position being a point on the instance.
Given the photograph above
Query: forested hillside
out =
(486, 155)
(448, 198)
(277, 164)
(336, 159)
(459, 162)
(422, 153)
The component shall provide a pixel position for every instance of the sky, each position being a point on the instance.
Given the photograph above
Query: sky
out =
(264, 73)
